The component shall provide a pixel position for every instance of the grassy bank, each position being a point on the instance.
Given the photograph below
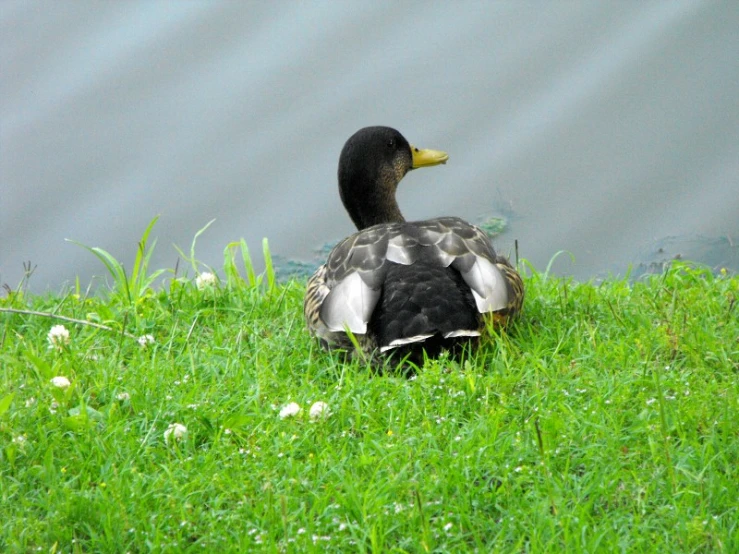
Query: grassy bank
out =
(606, 420)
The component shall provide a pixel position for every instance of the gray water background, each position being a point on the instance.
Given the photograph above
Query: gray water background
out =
(607, 129)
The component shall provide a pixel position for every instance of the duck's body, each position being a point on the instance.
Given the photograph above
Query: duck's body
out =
(401, 287)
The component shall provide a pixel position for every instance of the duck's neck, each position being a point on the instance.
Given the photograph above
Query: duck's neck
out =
(371, 201)
(372, 211)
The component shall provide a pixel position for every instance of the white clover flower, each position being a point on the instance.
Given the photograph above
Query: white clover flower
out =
(206, 280)
(58, 337)
(175, 431)
(291, 410)
(30, 402)
(448, 527)
(60, 382)
(123, 396)
(145, 340)
(319, 410)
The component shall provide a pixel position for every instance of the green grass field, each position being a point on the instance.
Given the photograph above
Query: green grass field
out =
(606, 420)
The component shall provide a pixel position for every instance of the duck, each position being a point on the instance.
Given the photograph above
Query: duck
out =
(404, 290)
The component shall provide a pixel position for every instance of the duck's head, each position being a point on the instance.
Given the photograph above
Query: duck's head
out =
(372, 163)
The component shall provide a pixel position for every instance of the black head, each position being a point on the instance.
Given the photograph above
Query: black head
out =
(372, 163)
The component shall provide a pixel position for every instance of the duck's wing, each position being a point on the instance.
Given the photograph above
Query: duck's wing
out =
(315, 295)
(515, 293)
(343, 293)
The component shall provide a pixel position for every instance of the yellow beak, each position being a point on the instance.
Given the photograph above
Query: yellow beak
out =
(425, 158)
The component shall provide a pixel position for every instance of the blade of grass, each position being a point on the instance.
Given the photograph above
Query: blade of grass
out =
(248, 265)
(269, 268)
(114, 267)
(194, 240)
(141, 261)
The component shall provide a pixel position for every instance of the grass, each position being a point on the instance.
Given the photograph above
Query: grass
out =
(606, 420)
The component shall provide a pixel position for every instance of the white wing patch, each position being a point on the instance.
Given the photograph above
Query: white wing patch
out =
(462, 333)
(444, 259)
(487, 284)
(397, 252)
(349, 304)
(407, 340)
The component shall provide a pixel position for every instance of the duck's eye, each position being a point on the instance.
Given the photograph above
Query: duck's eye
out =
(391, 143)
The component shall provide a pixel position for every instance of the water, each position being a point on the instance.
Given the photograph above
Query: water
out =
(602, 129)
